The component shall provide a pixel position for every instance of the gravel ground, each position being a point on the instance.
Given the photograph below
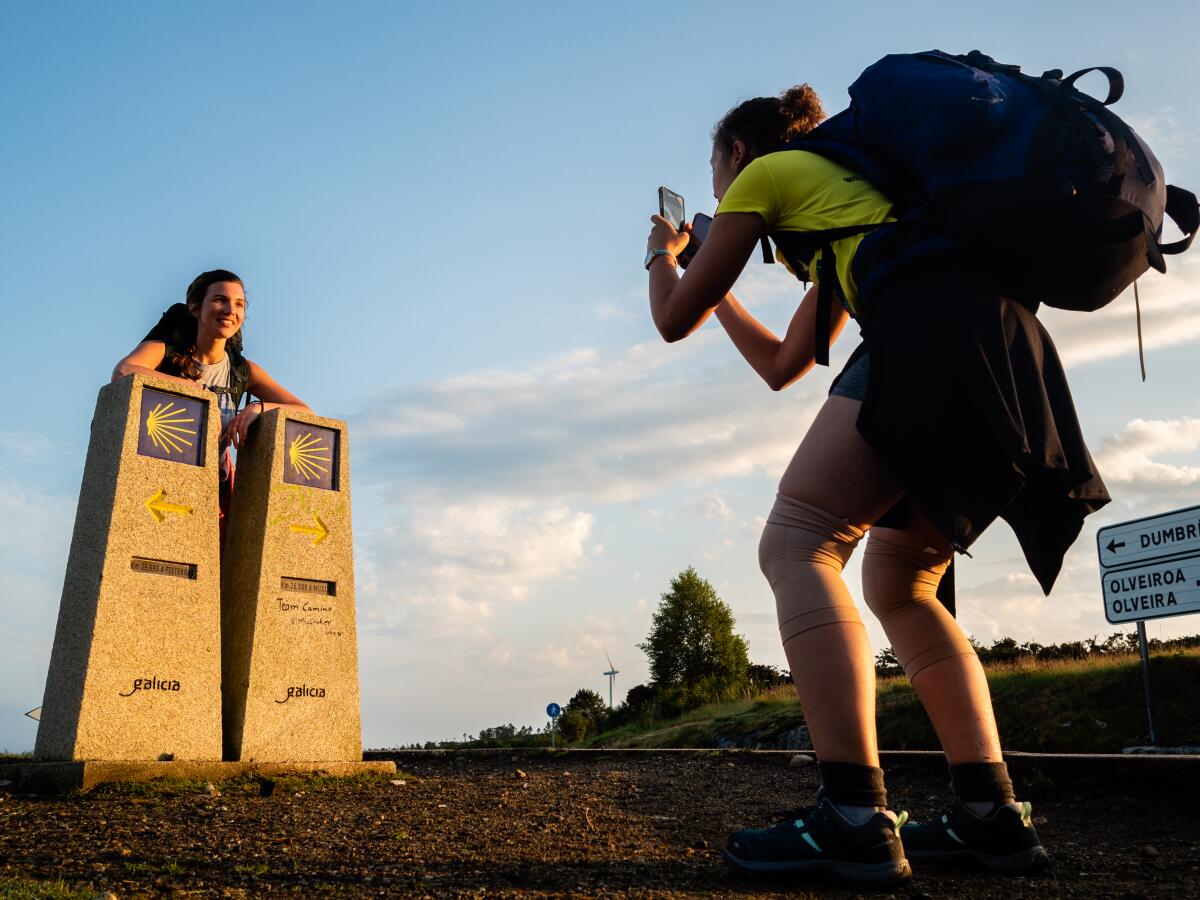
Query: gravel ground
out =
(545, 825)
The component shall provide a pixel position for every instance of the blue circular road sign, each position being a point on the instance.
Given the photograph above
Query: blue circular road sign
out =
(553, 710)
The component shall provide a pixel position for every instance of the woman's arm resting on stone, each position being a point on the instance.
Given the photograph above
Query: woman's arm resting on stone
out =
(143, 359)
(271, 394)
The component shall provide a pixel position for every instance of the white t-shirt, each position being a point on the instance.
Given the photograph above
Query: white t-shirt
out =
(217, 375)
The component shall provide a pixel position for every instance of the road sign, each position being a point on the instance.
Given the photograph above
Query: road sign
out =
(1165, 536)
(1150, 567)
(554, 710)
(1152, 591)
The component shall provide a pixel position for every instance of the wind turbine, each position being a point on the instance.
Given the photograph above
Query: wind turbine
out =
(612, 674)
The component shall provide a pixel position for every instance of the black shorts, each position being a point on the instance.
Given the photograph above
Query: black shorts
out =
(852, 382)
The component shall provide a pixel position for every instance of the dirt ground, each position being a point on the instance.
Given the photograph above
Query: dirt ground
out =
(570, 825)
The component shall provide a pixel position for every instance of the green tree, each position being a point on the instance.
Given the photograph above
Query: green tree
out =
(692, 645)
(572, 726)
(591, 707)
(887, 664)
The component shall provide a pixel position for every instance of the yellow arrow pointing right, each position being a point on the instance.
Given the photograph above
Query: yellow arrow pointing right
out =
(319, 531)
(159, 507)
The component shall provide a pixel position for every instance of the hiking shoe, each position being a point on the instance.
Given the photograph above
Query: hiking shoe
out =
(1004, 841)
(819, 840)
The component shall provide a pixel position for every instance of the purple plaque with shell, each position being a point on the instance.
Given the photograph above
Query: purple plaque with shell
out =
(172, 426)
(310, 455)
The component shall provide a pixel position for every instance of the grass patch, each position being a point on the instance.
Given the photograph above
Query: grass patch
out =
(173, 787)
(240, 786)
(1093, 705)
(166, 865)
(27, 889)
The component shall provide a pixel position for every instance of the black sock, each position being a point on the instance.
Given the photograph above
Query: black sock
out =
(982, 782)
(853, 785)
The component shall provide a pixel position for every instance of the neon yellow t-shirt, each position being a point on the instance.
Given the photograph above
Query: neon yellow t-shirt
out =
(795, 190)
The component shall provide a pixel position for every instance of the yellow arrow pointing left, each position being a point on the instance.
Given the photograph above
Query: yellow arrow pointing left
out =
(159, 507)
(318, 531)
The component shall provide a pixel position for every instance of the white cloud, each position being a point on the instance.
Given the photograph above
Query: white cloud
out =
(625, 307)
(502, 476)
(1129, 456)
(1162, 130)
(711, 506)
(23, 446)
(603, 428)
(451, 566)
(33, 557)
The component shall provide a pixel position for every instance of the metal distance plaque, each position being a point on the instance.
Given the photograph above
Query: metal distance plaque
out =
(171, 427)
(310, 455)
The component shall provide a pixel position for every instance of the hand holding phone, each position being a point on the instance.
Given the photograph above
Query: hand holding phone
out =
(696, 236)
(671, 208)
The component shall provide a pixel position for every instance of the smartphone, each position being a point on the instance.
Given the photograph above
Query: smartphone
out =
(700, 223)
(670, 207)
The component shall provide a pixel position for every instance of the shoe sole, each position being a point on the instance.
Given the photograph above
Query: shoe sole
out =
(867, 874)
(1031, 860)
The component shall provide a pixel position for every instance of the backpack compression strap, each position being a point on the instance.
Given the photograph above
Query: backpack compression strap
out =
(798, 247)
(1184, 211)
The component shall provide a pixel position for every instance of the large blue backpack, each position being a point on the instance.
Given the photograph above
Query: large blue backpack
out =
(1035, 185)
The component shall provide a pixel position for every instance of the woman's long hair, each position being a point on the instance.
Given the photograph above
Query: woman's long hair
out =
(184, 358)
(764, 124)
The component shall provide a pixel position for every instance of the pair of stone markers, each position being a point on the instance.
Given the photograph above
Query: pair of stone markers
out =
(166, 651)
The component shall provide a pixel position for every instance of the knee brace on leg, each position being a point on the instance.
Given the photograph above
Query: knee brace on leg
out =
(900, 587)
(802, 553)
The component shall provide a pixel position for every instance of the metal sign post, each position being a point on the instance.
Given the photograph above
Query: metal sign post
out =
(1146, 680)
(1150, 569)
(553, 711)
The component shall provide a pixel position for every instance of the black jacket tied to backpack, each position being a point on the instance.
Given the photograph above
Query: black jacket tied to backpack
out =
(968, 406)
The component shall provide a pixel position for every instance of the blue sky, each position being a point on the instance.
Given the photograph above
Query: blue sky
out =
(440, 213)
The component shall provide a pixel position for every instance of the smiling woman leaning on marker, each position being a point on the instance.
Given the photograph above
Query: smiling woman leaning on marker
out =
(200, 342)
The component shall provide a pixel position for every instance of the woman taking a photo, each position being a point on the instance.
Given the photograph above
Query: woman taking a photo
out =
(200, 342)
(918, 443)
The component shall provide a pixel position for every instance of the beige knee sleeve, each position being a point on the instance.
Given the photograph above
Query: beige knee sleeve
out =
(900, 587)
(802, 553)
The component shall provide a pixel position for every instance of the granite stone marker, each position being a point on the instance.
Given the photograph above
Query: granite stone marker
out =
(135, 673)
(290, 653)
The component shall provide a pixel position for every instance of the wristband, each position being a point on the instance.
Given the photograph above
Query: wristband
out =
(652, 255)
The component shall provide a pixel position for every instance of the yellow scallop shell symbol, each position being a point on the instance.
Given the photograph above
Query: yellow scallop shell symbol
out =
(305, 455)
(166, 425)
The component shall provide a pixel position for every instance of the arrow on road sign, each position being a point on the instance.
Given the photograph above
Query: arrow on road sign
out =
(1114, 544)
(159, 507)
(318, 531)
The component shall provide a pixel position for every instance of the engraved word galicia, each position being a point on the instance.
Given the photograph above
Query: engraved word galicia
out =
(152, 684)
(303, 690)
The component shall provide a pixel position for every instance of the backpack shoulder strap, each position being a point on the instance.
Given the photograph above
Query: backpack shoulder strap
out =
(798, 247)
(239, 375)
